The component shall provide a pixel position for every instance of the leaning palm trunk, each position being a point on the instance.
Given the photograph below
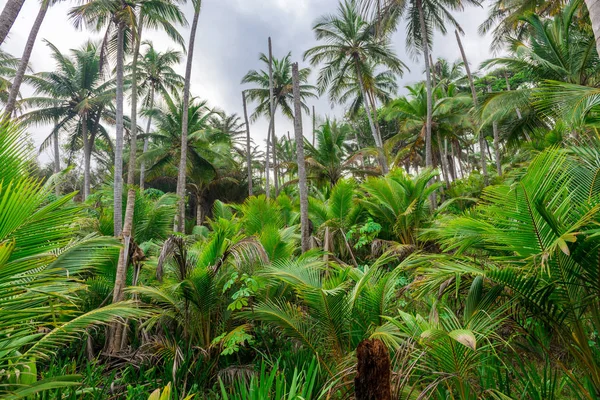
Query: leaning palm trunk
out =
(482, 143)
(18, 79)
(181, 177)
(117, 340)
(9, 15)
(148, 127)
(248, 155)
(593, 7)
(271, 121)
(374, 132)
(302, 185)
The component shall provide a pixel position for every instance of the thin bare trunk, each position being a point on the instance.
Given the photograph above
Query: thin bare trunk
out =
(314, 125)
(56, 158)
(248, 156)
(87, 155)
(496, 142)
(199, 216)
(118, 179)
(428, 123)
(181, 177)
(271, 120)
(9, 15)
(482, 143)
(443, 161)
(18, 79)
(374, 132)
(275, 165)
(302, 185)
(146, 142)
(593, 7)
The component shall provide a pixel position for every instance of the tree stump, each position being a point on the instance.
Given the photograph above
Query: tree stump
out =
(373, 371)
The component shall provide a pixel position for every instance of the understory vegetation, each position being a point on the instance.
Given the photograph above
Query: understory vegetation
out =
(437, 241)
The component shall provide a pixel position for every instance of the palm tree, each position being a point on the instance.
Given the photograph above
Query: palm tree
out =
(248, 155)
(8, 68)
(18, 79)
(379, 85)
(422, 18)
(449, 120)
(75, 98)
(282, 89)
(156, 76)
(9, 15)
(184, 118)
(332, 157)
(351, 47)
(302, 187)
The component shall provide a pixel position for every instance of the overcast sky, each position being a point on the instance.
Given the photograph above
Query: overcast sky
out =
(230, 36)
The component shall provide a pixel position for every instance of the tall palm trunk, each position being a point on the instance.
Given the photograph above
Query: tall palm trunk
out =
(593, 7)
(146, 140)
(87, 155)
(118, 180)
(374, 131)
(496, 141)
(118, 330)
(181, 177)
(18, 79)
(314, 125)
(428, 86)
(302, 185)
(275, 165)
(56, 157)
(9, 15)
(248, 156)
(482, 144)
(271, 121)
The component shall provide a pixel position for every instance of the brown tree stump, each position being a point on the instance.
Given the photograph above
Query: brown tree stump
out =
(373, 371)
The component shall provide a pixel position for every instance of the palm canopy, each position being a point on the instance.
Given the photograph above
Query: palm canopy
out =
(449, 117)
(282, 87)
(436, 13)
(156, 75)
(350, 46)
(8, 67)
(165, 143)
(557, 48)
(76, 91)
(332, 157)
(381, 85)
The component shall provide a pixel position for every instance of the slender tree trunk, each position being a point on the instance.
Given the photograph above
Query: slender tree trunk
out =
(275, 165)
(118, 178)
(428, 123)
(374, 132)
(248, 156)
(314, 125)
(271, 120)
(118, 331)
(302, 185)
(443, 161)
(482, 143)
(9, 15)
(146, 142)
(181, 178)
(593, 7)
(496, 141)
(56, 158)
(18, 79)
(87, 156)
(199, 216)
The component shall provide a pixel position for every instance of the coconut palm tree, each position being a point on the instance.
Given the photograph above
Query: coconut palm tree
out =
(379, 85)
(156, 77)
(8, 68)
(184, 118)
(350, 44)
(422, 18)
(282, 89)
(75, 98)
